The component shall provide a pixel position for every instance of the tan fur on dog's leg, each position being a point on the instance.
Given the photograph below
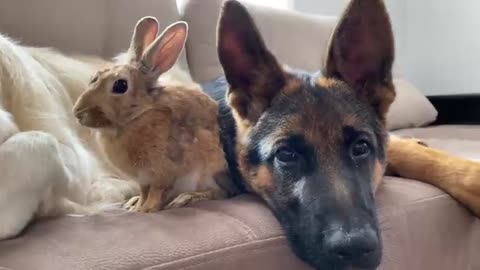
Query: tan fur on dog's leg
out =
(456, 176)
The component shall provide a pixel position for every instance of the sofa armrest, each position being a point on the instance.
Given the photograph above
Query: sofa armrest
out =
(298, 40)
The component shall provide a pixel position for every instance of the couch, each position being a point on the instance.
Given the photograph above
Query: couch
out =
(423, 228)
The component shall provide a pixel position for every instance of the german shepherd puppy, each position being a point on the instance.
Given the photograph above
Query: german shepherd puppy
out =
(314, 148)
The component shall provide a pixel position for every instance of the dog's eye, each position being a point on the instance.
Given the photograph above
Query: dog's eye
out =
(286, 155)
(120, 86)
(360, 149)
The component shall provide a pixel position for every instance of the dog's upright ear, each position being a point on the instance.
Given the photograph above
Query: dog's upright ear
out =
(254, 75)
(361, 52)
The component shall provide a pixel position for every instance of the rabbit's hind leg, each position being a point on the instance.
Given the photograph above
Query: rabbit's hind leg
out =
(135, 203)
(191, 197)
(154, 200)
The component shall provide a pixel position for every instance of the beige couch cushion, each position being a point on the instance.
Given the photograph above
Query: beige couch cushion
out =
(410, 108)
(95, 27)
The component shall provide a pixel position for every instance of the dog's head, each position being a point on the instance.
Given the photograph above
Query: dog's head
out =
(314, 148)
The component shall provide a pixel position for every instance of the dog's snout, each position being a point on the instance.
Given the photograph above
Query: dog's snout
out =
(359, 246)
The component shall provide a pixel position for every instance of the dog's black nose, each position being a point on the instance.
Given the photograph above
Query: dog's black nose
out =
(358, 247)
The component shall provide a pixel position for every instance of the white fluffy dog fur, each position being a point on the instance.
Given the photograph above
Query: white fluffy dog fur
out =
(50, 165)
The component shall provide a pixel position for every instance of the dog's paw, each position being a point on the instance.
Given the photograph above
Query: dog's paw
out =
(408, 139)
(417, 141)
(422, 143)
(7, 126)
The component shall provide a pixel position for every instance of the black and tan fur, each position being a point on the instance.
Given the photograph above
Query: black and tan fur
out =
(315, 148)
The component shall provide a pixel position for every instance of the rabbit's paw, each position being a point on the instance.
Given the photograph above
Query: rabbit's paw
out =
(133, 204)
(188, 198)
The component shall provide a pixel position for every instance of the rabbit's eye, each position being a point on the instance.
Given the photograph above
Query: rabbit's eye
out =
(120, 86)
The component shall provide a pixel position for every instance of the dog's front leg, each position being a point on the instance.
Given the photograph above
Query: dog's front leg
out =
(7, 126)
(31, 169)
(457, 176)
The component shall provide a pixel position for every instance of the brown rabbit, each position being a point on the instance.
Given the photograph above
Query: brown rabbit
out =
(161, 134)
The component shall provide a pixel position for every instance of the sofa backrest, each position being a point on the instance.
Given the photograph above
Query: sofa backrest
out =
(298, 40)
(104, 28)
(93, 27)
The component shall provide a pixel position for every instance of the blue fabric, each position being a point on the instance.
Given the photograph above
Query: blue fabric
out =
(216, 88)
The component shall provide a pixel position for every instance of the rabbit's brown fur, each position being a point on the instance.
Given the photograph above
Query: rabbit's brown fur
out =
(177, 137)
(164, 135)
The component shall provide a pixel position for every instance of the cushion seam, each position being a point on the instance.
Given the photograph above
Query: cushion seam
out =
(271, 239)
(418, 201)
(249, 232)
(249, 251)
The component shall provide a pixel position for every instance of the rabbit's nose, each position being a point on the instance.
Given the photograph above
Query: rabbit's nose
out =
(82, 117)
(80, 114)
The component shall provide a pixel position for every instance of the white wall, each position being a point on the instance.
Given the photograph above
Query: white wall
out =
(322, 7)
(443, 48)
(437, 41)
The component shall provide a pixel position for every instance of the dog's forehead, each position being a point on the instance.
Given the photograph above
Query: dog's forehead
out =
(317, 100)
(318, 108)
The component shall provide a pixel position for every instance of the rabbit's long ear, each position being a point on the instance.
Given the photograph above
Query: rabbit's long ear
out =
(162, 54)
(146, 30)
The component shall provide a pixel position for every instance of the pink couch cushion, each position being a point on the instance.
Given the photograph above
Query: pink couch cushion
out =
(240, 232)
(424, 228)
